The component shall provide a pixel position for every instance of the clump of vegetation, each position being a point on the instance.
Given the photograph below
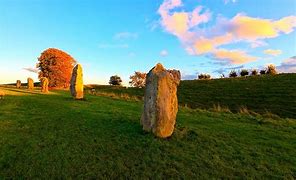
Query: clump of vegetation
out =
(204, 76)
(233, 74)
(271, 70)
(56, 66)
(138, 79)
(115, 80)
(254, 72)
(263, 71)
(244, 72)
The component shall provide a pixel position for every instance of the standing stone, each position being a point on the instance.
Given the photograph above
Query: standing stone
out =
(18, 84)
(44, 84)
(76, 86)
(30, 84)
(160, 101)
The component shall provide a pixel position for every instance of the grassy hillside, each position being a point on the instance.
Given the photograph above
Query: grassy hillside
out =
(53, 136)
(261, 94)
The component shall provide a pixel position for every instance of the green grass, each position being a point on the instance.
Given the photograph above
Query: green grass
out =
(261, 94)
(54, 136)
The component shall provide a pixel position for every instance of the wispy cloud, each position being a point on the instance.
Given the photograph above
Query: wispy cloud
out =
(113, 46)
(30, 69)
(272, 52)
(125, 35)
(225, 70)
(186, 26)
(229, 1)
(288, 65)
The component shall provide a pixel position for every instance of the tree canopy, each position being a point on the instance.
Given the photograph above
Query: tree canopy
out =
(56, 65)
(138, 79)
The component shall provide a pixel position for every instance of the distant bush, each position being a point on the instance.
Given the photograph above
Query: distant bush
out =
(271, 69)
(254, 72)
(233, 74)
(244, 72)
(204, 76)
(263, 71)
(115, 80)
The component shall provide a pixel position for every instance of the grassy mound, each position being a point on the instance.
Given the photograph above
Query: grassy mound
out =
(54, 136)
(261, 94)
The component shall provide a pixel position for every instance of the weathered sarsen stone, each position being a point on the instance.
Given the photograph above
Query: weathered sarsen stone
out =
(18, 84)
(76, 86)
(160, 101)
(44, 84)
(30, 84)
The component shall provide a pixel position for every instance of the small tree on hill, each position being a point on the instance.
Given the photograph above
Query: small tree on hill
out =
(138, 79)
(271, 69)
(115, 80)
(254, 72)
(56, 66)
(233, 74)
(204, 76)
(244, 72)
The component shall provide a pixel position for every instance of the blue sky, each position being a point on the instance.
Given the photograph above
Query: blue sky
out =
(111, 37)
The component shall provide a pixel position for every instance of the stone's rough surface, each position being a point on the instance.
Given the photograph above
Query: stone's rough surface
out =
(2, 94)
(76, 86)
(44, 84)
(18, 84)
(30, 84)
(160, 101)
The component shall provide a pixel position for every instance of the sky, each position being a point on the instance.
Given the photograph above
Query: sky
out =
(116, 37)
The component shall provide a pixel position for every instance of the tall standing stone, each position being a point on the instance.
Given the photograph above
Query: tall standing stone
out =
(76, 86)
(160, 101)
(30, 84)
(44, 84)
(18, 84)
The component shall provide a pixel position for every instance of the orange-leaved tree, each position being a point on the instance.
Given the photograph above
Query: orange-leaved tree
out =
(138, 79)
(56, 65)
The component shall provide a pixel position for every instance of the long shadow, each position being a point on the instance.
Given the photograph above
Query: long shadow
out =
(26, 91)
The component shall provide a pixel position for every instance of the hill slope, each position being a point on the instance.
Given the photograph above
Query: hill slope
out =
(55, 136)
(261, 94)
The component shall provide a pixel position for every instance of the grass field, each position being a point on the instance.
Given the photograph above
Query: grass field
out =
(53, 136)
(261, 94)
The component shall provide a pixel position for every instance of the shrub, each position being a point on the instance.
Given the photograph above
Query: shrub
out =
(233, 74)
(244, 72)
(254, 72)
(115, 80)
(138, 79)
(271, 69)
(204, 76)
(263, 71)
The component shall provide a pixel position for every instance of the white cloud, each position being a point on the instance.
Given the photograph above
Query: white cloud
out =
(164, 53)
(125, 35)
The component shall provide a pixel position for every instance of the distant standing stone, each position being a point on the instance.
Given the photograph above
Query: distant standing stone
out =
(30, 84)
(18, 84)
(160, 101)
(44, 84)
(76, 86)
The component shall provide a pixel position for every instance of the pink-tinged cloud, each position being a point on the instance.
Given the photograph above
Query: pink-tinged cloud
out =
(272, 52)
(233, 56)
(207, 41)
